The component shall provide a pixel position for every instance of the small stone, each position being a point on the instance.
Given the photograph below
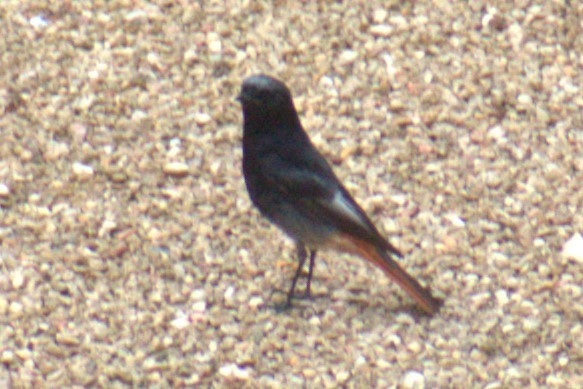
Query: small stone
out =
(4, 190)
(228, 295)
(17, 279)
(139, 115)
(192, 380)
(524, 102)
(481, 299)
(413, 380)
(414, 347)
(255, 302)
(525, 99)
(508, 328)
(198, 294)
(214, 43)
(181, 321)
(496, 133)
(26, 155)
(55, 150)
(190, 55)
(67, 339)
(347, 57)
(215, 46)
(38, 21)
(383, 30)
(100, 330)
(399, 199)
(487, 18)
(530, 325)
(538, 242)
(554, 381)
(199, 306)
(502, 297)
(315, 321)
(500, 259)
(106, 228)
(573, 248)
(471, 279)
(78, 132)
(380, 15)
(349, 151)
(137, 15)
(176, 169)
(171, 193)
(309, 373)
(7, 356)
(202, 118)
(342, 376)
(394, 340)
(82, 171)
(360, 361)
(15, 310)
(455, 220)
(231, 370)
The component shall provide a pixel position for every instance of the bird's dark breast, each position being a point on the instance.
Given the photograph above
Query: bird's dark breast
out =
(262, 195)
(279, 207)
(265, 195)
(253, 180)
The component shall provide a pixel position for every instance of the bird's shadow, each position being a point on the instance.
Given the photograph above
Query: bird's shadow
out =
(285, 306)
(363, 304)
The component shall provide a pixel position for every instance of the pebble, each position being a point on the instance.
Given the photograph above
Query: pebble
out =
(4, 190)
(82, 171)
(342, 376)
(383, 30)
(7, 356)
(573, 248)
(176, 169)
(231, 370)
(17, 279)
(413, 380)
(199, 306)
(15, 309)
(202, 118)
(380, 15)
(502, 297)
(38, 21)
(181, 321)
(455, 220)
(255, 302)
(347, 57)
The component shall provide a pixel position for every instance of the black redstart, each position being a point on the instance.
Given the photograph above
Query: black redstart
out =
(291, 184)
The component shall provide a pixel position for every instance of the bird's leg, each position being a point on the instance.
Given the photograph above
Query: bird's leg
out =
(302, 255)
(310, 272)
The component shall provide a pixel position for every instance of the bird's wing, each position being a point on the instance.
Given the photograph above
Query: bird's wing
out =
(316, 193)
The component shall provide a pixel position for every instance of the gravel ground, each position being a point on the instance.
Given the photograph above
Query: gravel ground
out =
(131, 255)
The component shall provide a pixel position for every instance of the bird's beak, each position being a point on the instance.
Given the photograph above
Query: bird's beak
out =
(239, 98)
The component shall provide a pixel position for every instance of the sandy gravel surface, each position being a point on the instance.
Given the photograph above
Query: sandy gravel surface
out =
(130, 254)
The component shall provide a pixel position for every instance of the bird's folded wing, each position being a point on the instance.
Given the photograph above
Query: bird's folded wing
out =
(321, 197)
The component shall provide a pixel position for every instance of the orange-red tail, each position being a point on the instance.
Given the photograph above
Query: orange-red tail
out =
(392, 269)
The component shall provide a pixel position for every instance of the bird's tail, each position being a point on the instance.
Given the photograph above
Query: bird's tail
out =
(391, 268)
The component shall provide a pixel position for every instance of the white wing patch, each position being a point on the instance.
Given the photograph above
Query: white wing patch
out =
(342, 205)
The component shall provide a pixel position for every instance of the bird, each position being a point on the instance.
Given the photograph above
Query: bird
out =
(295, 188)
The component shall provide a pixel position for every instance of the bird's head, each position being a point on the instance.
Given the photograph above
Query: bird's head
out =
(264, 93)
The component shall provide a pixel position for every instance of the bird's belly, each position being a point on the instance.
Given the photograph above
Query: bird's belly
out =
(296, 225)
